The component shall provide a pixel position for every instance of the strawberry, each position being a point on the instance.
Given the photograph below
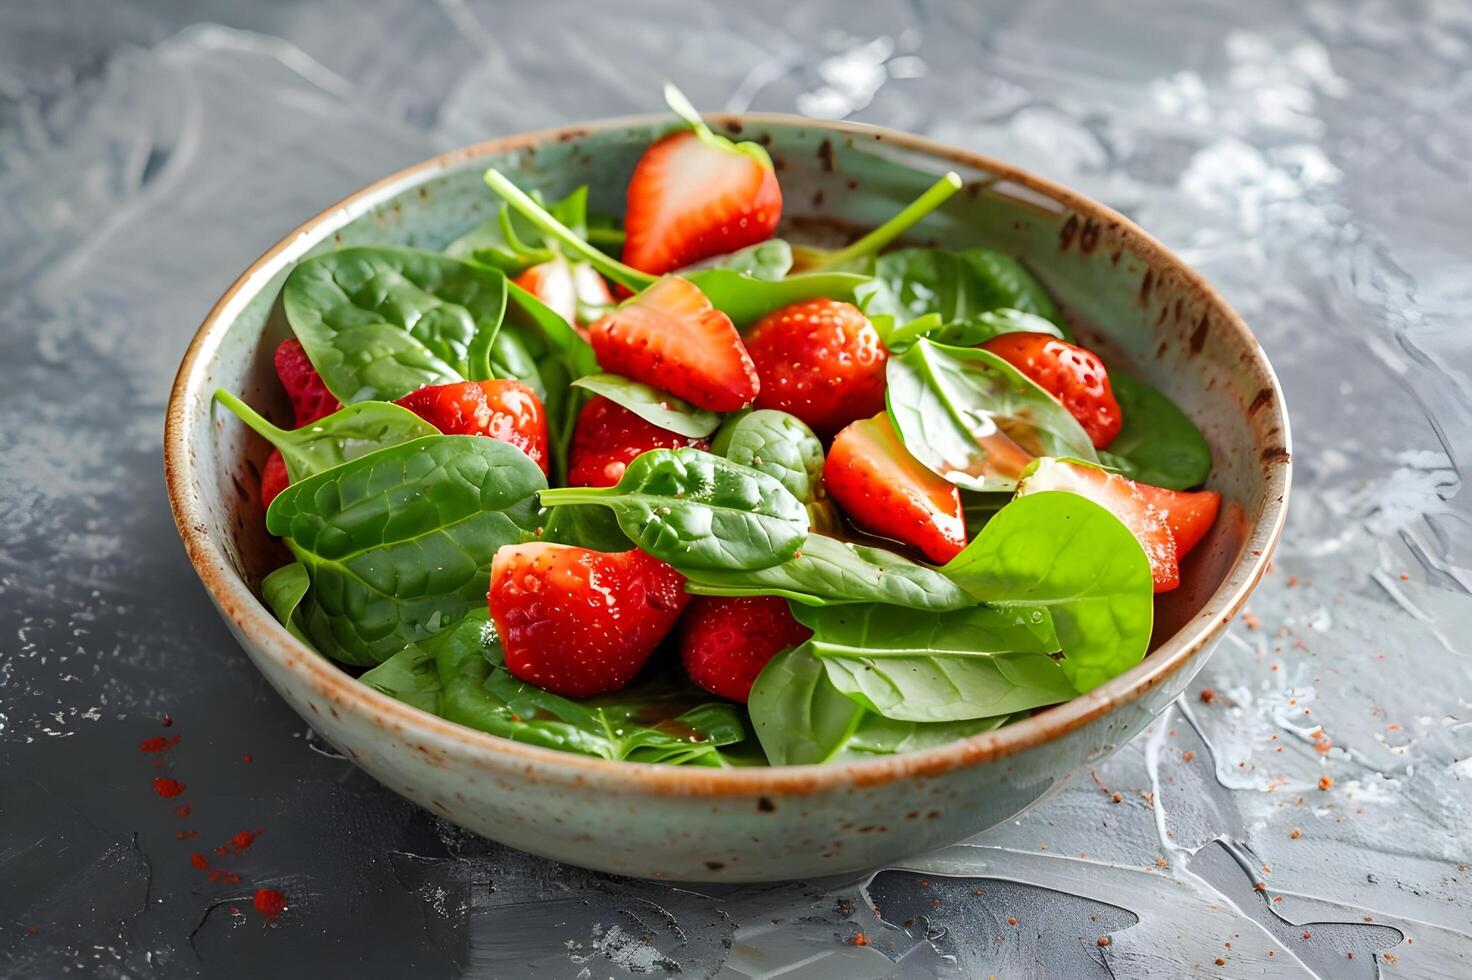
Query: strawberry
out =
(1167, 523)
(273, 477)
(310, 399)
(562, 285)
(1074, 376)
(726, 641)
(886, 491)
(669, 336)
(820, 360)
(580, 622)
(694, 195)
(608, 437)
(504, 409)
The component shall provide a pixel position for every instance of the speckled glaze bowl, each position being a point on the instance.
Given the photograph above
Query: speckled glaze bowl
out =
(1132, 299)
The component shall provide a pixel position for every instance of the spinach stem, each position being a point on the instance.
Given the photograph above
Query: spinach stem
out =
(934, 197)
(250, 416)
(558, 496)
(532, 211)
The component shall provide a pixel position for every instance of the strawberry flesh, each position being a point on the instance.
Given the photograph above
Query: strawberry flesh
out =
(725, 641)
(273, 477)
(503, 409)
(669, 336)
(580, 622)
(820, 360)
(886, 491)
(1071, 374)
(608, 437)
(561, 285)
(1167, 523)
(689, 200)
(310, 399)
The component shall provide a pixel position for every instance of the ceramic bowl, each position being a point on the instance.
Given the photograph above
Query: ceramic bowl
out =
(1131, 297)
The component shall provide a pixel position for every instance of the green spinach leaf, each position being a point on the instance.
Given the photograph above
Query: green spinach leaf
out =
(652, 405)
(586, 526)
(829, 572)
(971, 331)
(974, 419)
(1158, 444)
(769, 260)
(345, 434)
(378, 323)
(283, 591)
(912, 282)
(510, 243)
(1067, 555)
(746, 299)
(400, 541)
(409, 676)
(776, 443)
(699, 511)
(653, 721)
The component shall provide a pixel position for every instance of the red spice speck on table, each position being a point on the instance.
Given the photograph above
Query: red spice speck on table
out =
(199, 861)
(271, 903)
(158, 743)
(168, 788)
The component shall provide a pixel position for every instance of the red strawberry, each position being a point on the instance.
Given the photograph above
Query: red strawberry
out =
(820, 360)
(886, 491)
(273, 477)
(505, 409)
(608, 437)
(1167, 523)
(562, 285)
(580, 622)
(693, 196)
(1076, 377)
(726, 641)
(310, 398)
(670, 337)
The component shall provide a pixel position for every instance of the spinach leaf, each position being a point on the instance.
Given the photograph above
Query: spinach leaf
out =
(283, 591)
(699, 511)
(1158, 444)
(777, 444)
(511, 359)
(586, 526)
(562, 355)
(971, 331)
(912, 282)
(769, 260)
(829, 572)
(400, 541)
(345, 434)
(800, 718)
(410, 676)
(746, 299)
(378, 323)
(938, 666)
(1067, 555)
(652, 405)
(974, 419)
(649, 722)
(511, 244)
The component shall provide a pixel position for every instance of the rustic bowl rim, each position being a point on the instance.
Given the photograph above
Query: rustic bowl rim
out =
(253, 620)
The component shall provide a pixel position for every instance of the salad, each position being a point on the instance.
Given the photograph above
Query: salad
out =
(723, 500)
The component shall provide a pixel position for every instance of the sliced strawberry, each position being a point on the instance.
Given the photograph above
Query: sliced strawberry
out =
(580, 622)
(608, 437)
(504, 409)
(562, 285)
(726, 641)
(820, 360)
(886, 491)
(1071, 374)
(310, 399)
(693, 197)
(273, 477)
(669, 336)
(1167, 523)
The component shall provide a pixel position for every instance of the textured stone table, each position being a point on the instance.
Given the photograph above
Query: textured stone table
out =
(1305, 810)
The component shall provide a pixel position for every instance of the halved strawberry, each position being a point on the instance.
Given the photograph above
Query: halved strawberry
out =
(310, 399)
(504, 409)
(725, 641)
(886, 491)
(669, 336)
(562, 285)
(273, 477)
(608, 437)
(1167, 523)
(694, 195)
(820, 360)
(580, 622)
(1071, 374)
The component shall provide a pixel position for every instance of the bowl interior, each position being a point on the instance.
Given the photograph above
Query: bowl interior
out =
(1134, 302)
